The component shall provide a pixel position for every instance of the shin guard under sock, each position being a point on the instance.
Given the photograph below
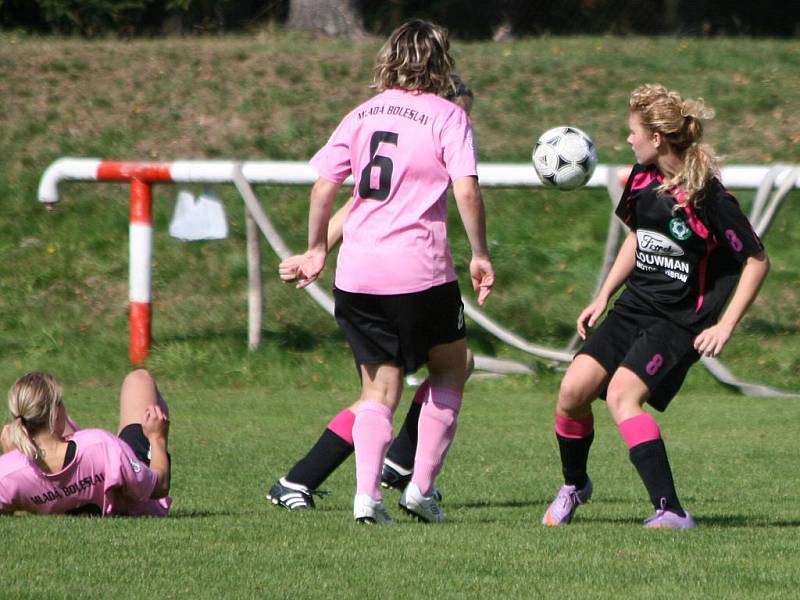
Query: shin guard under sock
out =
(649, 455)
(437, 428)
(372, 433)
(575, 437)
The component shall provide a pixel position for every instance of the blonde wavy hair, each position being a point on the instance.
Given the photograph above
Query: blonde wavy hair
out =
(680, 121)
(33, 402)
(416, 57)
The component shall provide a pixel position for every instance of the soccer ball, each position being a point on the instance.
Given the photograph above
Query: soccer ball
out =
(564, 157)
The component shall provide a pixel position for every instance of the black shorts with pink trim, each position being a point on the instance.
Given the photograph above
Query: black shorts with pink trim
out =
(400, 328)
(656, 349)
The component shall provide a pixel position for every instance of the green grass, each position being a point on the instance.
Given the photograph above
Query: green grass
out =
(63, 304)
(732, 463)
(242, 418)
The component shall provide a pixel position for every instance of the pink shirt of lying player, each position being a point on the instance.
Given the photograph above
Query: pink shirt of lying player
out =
(404, 148)
(50, 466)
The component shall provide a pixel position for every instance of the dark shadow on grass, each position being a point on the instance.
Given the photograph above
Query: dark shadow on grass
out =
(770, 328)
(200, 514)
(743, 521)
(290, 338)
(541, 503)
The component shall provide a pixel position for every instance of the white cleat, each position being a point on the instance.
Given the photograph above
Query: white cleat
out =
(371, 512)
(424, 508)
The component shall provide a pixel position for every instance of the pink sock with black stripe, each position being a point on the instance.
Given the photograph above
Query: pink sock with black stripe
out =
(639, 429)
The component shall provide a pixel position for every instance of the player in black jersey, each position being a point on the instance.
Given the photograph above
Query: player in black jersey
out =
(690, 249)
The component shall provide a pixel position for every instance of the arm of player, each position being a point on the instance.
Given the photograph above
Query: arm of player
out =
(336, 224)
(470, 206)
(711, 341)
(288, 268)
(156, 429)
(322, 196)
(620, 270)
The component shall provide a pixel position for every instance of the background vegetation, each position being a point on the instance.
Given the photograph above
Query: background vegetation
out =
(466, 18)
(64, 277)
(241, 418)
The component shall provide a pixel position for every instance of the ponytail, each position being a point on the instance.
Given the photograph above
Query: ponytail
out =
(20, 438)
(33, 402)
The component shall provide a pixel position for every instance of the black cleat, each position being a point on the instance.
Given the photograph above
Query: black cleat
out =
(292, 496)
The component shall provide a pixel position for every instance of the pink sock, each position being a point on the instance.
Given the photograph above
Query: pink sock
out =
(342, 425)
(639, 429)
(437, 428)
(421, 395)
(372, 434)
(574, 428)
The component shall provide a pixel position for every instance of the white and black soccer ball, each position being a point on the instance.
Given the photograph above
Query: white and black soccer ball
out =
(564, 157)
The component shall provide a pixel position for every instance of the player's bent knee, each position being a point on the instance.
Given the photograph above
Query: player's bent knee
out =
(138, 377)
(572, 396)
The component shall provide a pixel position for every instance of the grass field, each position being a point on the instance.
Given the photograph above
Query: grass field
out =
(242, 418)
(733, 465)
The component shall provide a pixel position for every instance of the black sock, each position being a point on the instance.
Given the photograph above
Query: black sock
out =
(324, 458)
(574, 455)
(404, 446)
(650, 460)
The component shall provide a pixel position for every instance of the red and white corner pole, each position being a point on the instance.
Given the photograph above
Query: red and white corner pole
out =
(140, 265)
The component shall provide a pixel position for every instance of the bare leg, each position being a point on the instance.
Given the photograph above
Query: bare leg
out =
(139, 391)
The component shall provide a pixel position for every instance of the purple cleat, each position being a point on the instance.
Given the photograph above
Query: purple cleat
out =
(666, 519)
(563, 507)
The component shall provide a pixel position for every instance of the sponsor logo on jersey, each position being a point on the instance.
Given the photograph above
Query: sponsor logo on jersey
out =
(679, 229)
(656, 243)
(669, 266)
(135, 465)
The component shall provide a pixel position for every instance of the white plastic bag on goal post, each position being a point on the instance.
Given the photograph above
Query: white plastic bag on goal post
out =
(201, 218)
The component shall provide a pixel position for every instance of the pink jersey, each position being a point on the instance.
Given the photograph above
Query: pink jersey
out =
(105, 472)
(403, 150)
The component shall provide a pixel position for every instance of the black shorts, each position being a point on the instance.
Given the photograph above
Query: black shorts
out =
(134, 436)
(400, 328)
(656, 349)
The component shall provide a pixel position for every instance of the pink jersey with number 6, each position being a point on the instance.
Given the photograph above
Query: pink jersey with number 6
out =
(105, 473)
(403, 150)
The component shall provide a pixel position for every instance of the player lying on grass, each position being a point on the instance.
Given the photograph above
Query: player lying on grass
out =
(689, 251)
(295, 490)
(396, 292)
(51, 466)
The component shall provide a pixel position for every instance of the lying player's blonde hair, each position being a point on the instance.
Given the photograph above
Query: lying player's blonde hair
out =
(679, 120)
(416, 57)
(33, 402)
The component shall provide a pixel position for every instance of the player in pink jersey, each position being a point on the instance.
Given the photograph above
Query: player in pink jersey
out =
(49, 466)
(296, 489)
(397, 297)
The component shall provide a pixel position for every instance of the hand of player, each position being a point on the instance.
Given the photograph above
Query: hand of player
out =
(482, 275)
(155, 423)
(711, 341)
(5, 439)
(309, 267)
(288, 268)
(589, 316)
